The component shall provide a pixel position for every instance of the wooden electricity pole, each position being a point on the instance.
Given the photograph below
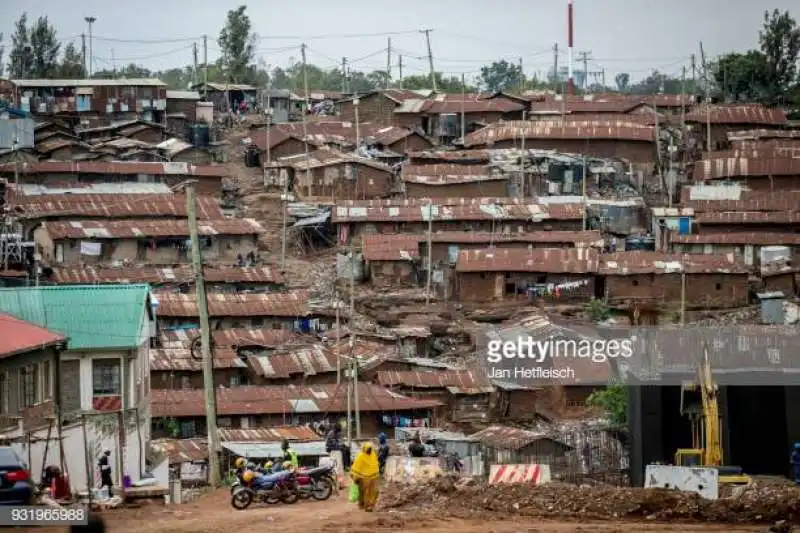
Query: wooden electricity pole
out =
(205, 341)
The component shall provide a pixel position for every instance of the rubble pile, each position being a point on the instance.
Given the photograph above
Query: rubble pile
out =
(446, 495)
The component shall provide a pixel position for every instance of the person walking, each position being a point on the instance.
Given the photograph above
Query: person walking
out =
(104, 464)
(365, 472)
(383, 452)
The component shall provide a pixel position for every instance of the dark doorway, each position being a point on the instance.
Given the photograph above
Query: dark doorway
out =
(759, 440)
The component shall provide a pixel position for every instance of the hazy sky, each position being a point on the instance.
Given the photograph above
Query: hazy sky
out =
(634, 36)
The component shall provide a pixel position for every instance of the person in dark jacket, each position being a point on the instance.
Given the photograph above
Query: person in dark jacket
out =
(333, 442)
(104, 464)
(383, 452)
(416, 449)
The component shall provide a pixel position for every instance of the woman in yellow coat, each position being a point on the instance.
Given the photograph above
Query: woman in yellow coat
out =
(365, 473)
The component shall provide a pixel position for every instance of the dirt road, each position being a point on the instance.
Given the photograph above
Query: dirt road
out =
(212, 513)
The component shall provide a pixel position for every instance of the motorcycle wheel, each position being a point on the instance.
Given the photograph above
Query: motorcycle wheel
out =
(272, 501)
(241, 499)
(290, 497)
(322, 490)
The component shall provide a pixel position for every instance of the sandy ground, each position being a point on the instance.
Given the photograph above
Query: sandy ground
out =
(213, 513)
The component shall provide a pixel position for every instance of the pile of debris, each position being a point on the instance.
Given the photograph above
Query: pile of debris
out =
(450, 496)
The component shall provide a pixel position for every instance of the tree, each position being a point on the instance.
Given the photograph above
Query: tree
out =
(780, 45)
(238, 44)
(450, 84)
(20, 60)
(45, 49)
(131, 70)
(741, 77)
(623, 80)
(614, 401)
(71, 63)
(501, 76)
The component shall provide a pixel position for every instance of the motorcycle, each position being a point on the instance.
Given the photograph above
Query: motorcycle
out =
(237, 482)
(317, 483)
(272, 488)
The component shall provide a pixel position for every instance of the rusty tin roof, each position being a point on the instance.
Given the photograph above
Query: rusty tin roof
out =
(236, 337)
(734, 167)
(754, 114)
(508, 438)
(642, 262)
(448, 174)
(143, 228)
(181, 450)
(450, 156)
(390, 247)
(274, 434)
(288, 399)
(578, 238)
(555, 129)
(533, 212)
(279, 304)
(466, 380)
(158, 275)
(553, 260)
(120, 168)
(116, 206)
(748, 217)
(327, 156)
(726, 238)
(180, 359)
(748, 201)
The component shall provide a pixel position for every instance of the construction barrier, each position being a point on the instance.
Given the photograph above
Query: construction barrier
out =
(411, 469)
(533, 474)
(702, 481)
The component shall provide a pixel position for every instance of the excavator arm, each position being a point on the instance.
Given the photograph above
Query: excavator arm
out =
(712, 446)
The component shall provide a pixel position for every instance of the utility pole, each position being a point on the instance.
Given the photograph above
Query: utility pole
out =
(205, 341)
(707, 98)
(694, 74)
(90, 21)
(555, 63)
(83, 55)
(338, 341)
(400, 68)
(205, 67)
(683, 98)
(194, 62)
(583, 193)
(429, 238)
(113, 65)
(430, 57)
(521, 189)
(463, 103)
(585, 57)
(344, 75)
(355, 388)
(389, 63)
(268, 125)
(521, 78)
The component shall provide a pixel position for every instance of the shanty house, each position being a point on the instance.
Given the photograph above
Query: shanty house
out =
(452, 181)
(132, 130)
(113, 99)
(179, 151)
(392, 259)
(158, 242)
(505, 445)
(499, 274)
(489, 215)
(103, 373)
(766, 173)
(725, 118)
(288, 310)
(181, 105)
(466, 395)
(376, 107)
(269, 406)
(226, 96)
(209, 177)
(395, 140)
(746, 245)
(707, 281)
(629, 140)
(331, 174)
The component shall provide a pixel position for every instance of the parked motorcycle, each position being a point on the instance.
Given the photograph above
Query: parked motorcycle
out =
(239, 473)
(317, 483)
(272, 488)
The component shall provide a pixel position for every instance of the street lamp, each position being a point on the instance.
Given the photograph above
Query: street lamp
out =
(90, 21)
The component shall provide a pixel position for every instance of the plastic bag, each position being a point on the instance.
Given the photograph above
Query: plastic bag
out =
(354, 493)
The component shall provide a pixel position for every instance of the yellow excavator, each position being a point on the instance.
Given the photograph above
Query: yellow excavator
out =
(703, 412)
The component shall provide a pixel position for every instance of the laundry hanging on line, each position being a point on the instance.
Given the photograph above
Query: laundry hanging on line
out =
(555, 289)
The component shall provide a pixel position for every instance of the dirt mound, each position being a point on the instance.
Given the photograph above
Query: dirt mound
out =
(446, 496)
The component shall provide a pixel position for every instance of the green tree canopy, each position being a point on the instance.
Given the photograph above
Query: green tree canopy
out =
(501, 76)
(238, 45)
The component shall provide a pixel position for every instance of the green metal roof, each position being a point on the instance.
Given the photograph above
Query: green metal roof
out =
(92, 316)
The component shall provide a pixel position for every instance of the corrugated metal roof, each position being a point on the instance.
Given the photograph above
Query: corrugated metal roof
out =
(158, 275)
(236, 337)
(762, 134)
(457, 380)
(471, 211)
(284, 304)
(390, 247)
(642, 262)
(755, 238)
(734, 167)
(547, 129)
(143, 228)
(747, 201)
(77, 187)
(265, 450)
(274, 434)
(449, 174)
(337, 132)
(748, 217)
(182, 95)
(445, 156)
(51, 145)
(119, 168)
(18, 336)
(116, 206)
(754, 114)
(577, 238)
(95, 82)
(92, 316)
(327, 156)
(510, 438)
(258, 400)
(180, 359)
(181, 450)
(552, 260)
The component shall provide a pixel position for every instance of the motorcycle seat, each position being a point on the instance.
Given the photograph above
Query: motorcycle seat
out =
(317, 470)
(272, 478)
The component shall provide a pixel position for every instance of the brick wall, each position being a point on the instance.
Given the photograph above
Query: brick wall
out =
(392, 273)
(702, 290)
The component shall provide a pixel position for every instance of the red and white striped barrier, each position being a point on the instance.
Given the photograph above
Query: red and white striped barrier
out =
(533, 474)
